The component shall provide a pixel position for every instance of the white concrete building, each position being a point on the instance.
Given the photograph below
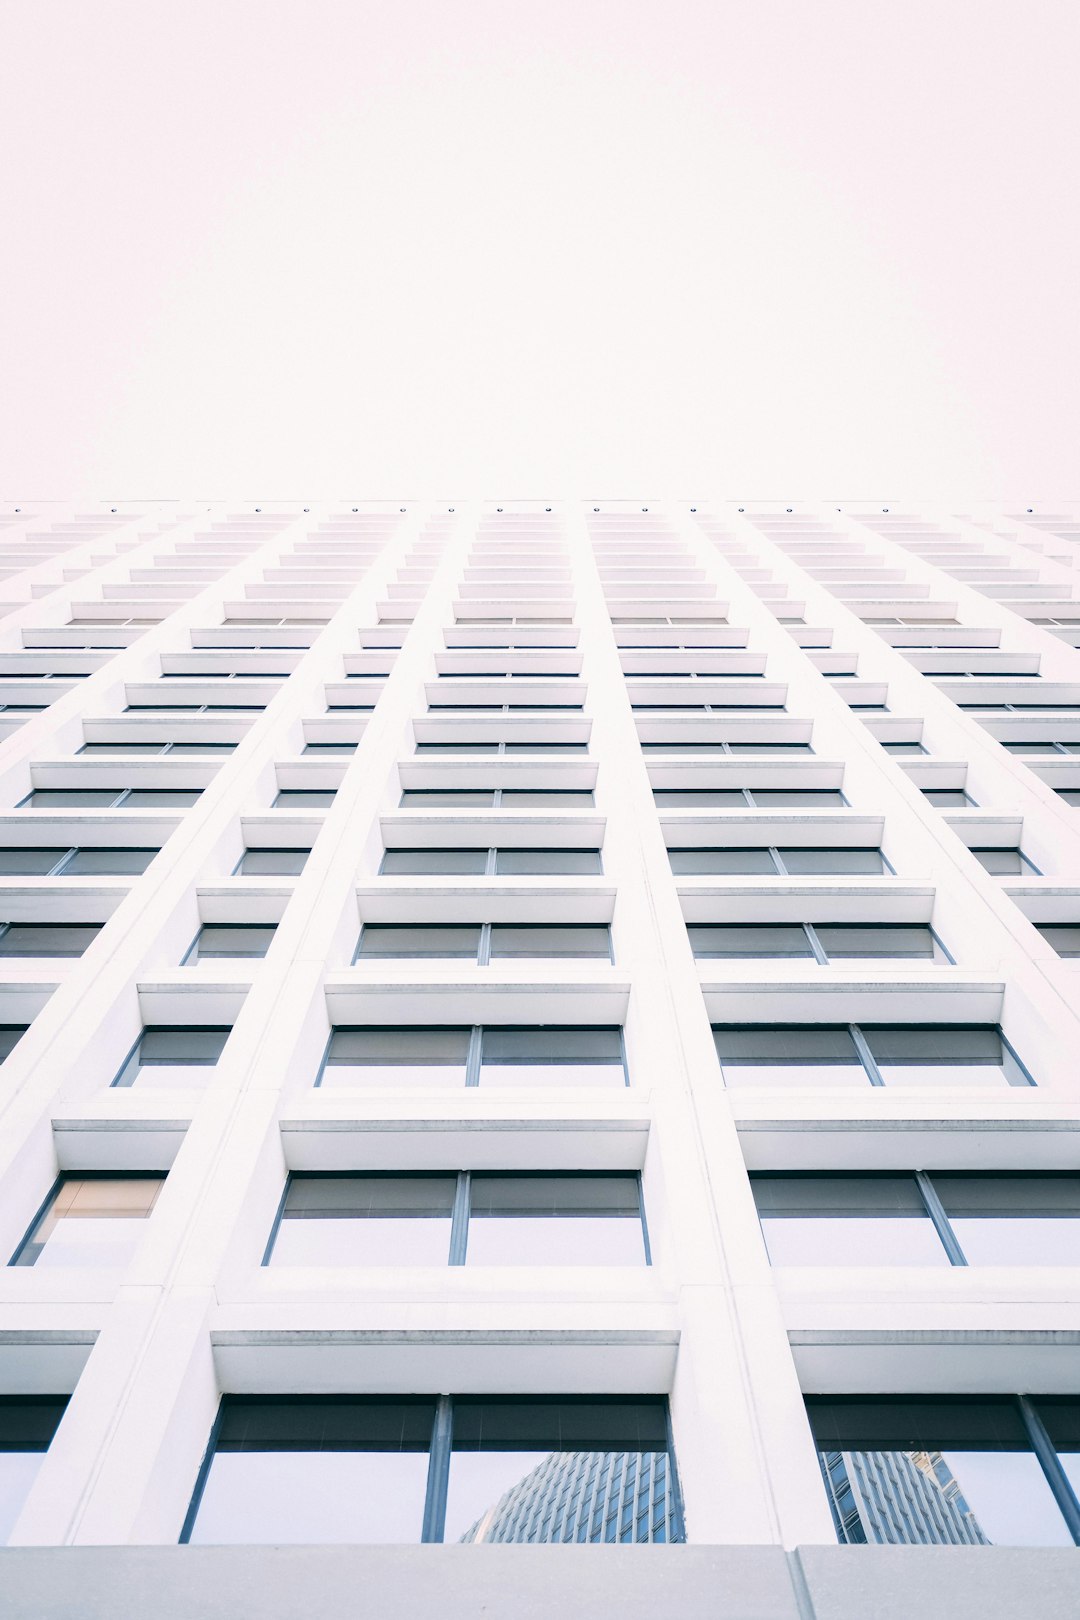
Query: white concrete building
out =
(556, 1018)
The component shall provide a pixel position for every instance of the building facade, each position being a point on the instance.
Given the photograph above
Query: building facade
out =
(544, 1027)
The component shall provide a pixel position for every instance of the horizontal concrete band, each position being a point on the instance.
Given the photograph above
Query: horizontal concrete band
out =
(532, 1583)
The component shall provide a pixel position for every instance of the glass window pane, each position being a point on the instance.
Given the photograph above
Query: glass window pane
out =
(110, 861)
(10, 1035)
(72, 798)
(91, 1221)
(699, 799)
(1061, 1417)
(558, 1470)
(722, 862)
(446, 799)
(47, 939)
(528, 1220)
(788, 1054)
(382, 939)
(509, 940)
(749, 940)
(846, 1221)
(317, 1469)
(806, 861)
(851, 940)
(934, 1471)
(1064, 937)
(534, 862)
(276, 862)
(782, 798)
(1001, 862)
(186, 1044)
(303, 799)
(1014, 1220)
(416, 1056)
(161, 798)
(27, 1426)
(32, 862)
(413, 862)
(551, 1056)
(366, 1221)
(222, 939)
(545, 799)
(942, 1054)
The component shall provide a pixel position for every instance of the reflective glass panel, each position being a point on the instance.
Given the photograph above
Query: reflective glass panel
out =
(1001, 862)
(112, 861)
(792, 798)
(788, 1055)
(395, 1057)
(1014, 1220)
(47, 939)
(528, 1220)
(508, 941)
(1064, 937)
(365, 1220)
(846, 1221)
(32, 862)
(722, 862)
(222, 939)
(27, 1425)
(852, 940)
(278, 862)
(942, 1054)
(412, 862)
(808, 861)
(929, 1470)
(551, 1056)
(749, 940)
(91, 1221)
(535, 862)
(560, 1470)
(317, 1469)
(431, 939)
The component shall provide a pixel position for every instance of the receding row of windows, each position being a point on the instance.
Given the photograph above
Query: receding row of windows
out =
(981, 1470)
(546, 1055)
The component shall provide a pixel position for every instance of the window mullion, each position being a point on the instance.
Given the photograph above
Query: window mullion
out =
(1050, 1462)
(459, 1221)
(942, 1225)
(65, 859)
(472, 1062)
(483, 954)
(815, 945)
(868, 1060)
(438, 1472)
(489, 867)
(778, 861)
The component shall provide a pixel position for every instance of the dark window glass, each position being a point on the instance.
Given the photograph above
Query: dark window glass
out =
(90, 1221)
(1064, 937)
(699, 799)
(47, 939)
(72, 798)
(721, 862)
(846, 1220)
(545, 799)
(557, 862)
(946, 1054)
(917, 1470)
(571, 1468)
(433, 939)
(788, 1054)
(108, 861)
(800, 862)
(575, 940)
(521, 1220)
(27, 1426)
(302, 799)
(161, 798)
(29, 862)
(749, 940)
(447, 799)
(366, 1220)
(231, 939)
(793, 798)
(164, 1049)
(947, 798)
(552, 1056)
(397, 1057)
(319, 1469)
(1001, 862)
(1014, 1220)
(273, 862)
(10, 1035)
(439, 862)
(850, 940)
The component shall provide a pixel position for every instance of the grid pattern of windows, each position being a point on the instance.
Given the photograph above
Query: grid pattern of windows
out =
(510, 1010)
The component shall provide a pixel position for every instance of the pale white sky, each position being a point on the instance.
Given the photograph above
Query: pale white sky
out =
(743, 248)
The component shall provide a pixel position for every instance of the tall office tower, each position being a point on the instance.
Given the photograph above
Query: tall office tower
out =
(550, 1032)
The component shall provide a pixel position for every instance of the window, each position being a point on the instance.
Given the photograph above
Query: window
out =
(747, 798)
(111, 798)
(477, 1218)
(496, 1055)
(962, 1218)
(948, 798)
(1005, 862)
(955, 1470)
(483, 942)
(904, 748)
(216, 940)
(37, 862)
(272, 862)
(495, 799)
(875, 1054)
(303, 799)
(10, 1035)
(46, 939)
(493, 862)
(164, 1053)
(90, 1220)
(367, 1469)
(820, 942)
(1064, 937)
(27, 1426)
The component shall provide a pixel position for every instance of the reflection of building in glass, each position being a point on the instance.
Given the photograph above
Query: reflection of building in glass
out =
(905, 1497)
(586, 1496)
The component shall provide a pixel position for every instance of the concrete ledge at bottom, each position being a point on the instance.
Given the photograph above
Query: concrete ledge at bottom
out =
(532, 1583)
